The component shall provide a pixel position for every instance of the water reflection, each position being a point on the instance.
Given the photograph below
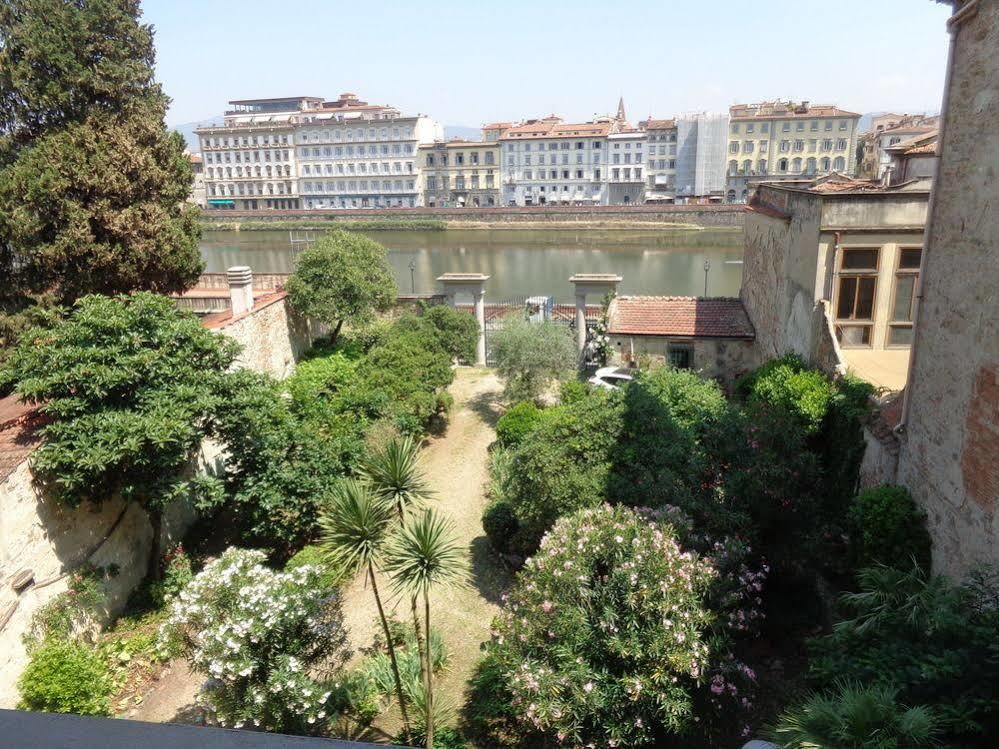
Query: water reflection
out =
(523, 262)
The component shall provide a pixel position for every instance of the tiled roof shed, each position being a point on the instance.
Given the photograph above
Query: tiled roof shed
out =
(680, 317)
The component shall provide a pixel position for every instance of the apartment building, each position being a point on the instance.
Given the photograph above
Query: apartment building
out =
(249, 161)
(458, 173)
(550, 161)
(660, 167)
(352, 154)
(625, 174)
(887, 132)
(778, 140)
(197, 195)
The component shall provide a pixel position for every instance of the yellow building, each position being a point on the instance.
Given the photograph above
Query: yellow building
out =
(459, 173)
(788, 140)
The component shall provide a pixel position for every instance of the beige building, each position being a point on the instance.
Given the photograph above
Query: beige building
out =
(660, 170)
(459, 173)
(950, 422)
(915, 158)
(886, 132)
(831, 271)
(713, 336)
(197, 195)
(778, 140)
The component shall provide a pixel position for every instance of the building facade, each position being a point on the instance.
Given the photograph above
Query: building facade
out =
(888, 131)
(459, 173)
(625, 174)
(701, 163)
(831, 270)
(949, 455)
(352, 154)
(249, 162)
(549, 161)
(198, 195)
(778, 140)
(660, 167)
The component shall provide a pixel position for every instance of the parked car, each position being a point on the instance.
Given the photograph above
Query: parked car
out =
(611, 378)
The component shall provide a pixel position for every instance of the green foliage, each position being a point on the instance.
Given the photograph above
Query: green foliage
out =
(571, 391)
(500, 524)
(457, 331)
(177, 573)
(279, 466)
(933, 641)
(378, 667)
(889, 528)
(92, 186)
(530, 355)
(261, 636)
(65, 677)
(786, 383)
(343, 276)
(312, 555)
(616, 658)
(517, 422)
(129, 383)
(854, 717)
(72, 614)
(490, 716)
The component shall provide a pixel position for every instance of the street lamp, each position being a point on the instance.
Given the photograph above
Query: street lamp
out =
(707, 267)
(412, 275)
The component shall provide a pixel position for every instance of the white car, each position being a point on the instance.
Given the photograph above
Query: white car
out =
(610, 378)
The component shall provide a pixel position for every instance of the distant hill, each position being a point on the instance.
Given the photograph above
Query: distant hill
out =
(463, 132)
(187, 130)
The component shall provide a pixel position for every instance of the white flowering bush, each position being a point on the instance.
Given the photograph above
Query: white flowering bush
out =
(272, 643)
(608, 638)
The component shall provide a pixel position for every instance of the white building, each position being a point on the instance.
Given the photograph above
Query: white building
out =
(660, 167)
(352, 154)
(625, 174)
(550, 161)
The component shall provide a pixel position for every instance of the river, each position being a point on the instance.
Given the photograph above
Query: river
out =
(522, 262)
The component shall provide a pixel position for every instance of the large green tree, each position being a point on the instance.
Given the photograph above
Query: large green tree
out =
(343, 276)
(92, 185)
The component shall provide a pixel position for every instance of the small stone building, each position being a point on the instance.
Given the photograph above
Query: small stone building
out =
(710, 335)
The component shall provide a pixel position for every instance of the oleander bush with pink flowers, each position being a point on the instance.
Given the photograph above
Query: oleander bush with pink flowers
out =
(615, 635)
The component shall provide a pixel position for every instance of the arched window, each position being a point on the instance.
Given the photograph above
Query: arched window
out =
(733, 166)
(747, 166)
(782, 165)
(810, 166)
(825, 163)
(761, 166)
(839, 164)
(796, 165)
(731, 196)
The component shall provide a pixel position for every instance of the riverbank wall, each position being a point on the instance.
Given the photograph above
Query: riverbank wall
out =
(682, 216)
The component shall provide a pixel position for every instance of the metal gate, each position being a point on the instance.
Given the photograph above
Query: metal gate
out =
(536, 308)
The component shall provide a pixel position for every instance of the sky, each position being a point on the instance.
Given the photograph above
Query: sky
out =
(477, 61)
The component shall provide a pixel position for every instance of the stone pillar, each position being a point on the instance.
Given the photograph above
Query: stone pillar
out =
(475, 285)
(240, 279)
(480, 316)
(580, 322)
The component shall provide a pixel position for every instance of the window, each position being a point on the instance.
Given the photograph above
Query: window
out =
(747, 146)
(799, 145)
(735, 128)
(750, 127)
(839, 164)
(903, 308)
(680, 355)
(858, 280)
(733, 147)
(785, 146)
(799, 126)
(782, 165)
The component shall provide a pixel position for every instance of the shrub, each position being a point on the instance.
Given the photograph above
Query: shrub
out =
(934, 641)
(604, 636)
(489, 715)
(445, 737)
(786, 383)
(65, 677)
(564, 466)
(530, 355)
(177, 573)
(457, 331)
(72, 614)
(857, 717)
(571, 391)
(889, 528)
(260, 635)
(312, 556)
(500, 524)
(518, 421)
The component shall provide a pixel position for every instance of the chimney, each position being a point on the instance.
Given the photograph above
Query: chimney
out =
(240, 289)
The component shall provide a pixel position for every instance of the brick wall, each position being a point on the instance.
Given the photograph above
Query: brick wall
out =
(950, 449)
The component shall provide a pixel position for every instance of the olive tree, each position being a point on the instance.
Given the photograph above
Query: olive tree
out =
(530, 355)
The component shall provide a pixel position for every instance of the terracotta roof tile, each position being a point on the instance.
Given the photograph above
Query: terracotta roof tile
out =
(217, 320)
(19, 424)
(681, 316)
(658, 124)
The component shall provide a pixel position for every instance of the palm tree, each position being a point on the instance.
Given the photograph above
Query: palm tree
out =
(422, 555)
(354, 529)
(394, 472)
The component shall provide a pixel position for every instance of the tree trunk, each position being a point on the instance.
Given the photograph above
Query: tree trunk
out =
(391, 649)
(412, 606)
(429, 674)
(155, 513)
(336, 332)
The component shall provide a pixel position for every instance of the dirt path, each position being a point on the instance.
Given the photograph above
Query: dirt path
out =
(456, 466)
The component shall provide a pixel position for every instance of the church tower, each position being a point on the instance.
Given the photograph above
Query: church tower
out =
(620, 110)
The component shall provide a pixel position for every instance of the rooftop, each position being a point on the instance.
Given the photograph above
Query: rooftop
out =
(651, 124)
(680, 316)
(781, 110)
(553, 127)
